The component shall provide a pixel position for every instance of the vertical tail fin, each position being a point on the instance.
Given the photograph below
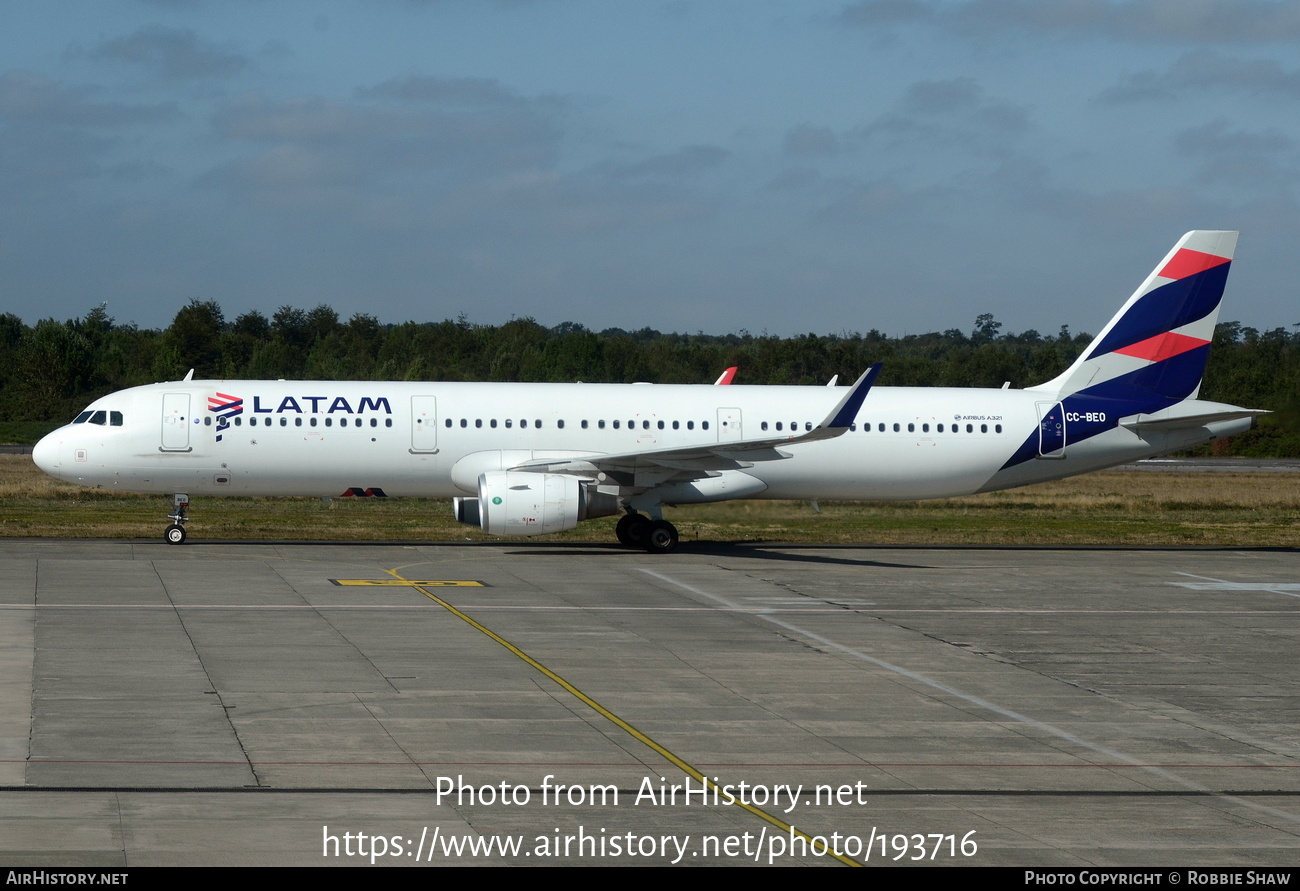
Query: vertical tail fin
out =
(1155, 348)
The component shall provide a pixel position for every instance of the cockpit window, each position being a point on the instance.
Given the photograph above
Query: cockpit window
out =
(102, 418)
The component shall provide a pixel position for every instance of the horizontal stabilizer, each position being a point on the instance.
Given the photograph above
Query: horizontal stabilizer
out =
(1188, 415)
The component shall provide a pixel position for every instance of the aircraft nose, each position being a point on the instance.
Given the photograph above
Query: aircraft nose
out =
(46, 454)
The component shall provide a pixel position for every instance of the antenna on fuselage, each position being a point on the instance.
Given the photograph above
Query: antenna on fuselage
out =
(189, 376)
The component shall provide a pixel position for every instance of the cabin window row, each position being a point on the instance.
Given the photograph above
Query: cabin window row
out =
(778, 426)
(297, 422)
(925, 428)
(525, 423)
(897, 427)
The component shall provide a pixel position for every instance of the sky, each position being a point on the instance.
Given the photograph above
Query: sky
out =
(820, 166)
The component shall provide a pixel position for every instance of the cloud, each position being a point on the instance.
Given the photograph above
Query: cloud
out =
(687, 161)
(462, 91)
(806, 141)
(1264, 159)
(1215, 138)
(869, 13)
(947, 113)
(176, 53)
(35, 99)
(398, 144)
(1202, 21)
(483, 135)
(1205, 69)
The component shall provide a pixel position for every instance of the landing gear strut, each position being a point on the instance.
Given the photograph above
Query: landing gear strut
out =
(637, 531)
(175, 533)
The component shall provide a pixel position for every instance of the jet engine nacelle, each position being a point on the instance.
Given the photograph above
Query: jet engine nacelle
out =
(515, 502)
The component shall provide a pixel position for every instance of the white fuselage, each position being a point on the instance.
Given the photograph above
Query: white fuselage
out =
(327, 438)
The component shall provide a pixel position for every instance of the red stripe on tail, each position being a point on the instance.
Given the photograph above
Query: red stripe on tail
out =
(1163, 346)
(1188, 262)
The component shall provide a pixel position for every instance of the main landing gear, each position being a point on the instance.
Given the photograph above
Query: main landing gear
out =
(175, 533)
(638, 531)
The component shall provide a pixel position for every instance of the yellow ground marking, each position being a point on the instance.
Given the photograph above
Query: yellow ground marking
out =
(680, 763)
(404, 583)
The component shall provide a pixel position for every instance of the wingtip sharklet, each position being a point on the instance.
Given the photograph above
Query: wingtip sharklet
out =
(847, 411)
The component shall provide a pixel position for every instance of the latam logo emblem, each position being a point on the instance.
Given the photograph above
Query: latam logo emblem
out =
(225, 407)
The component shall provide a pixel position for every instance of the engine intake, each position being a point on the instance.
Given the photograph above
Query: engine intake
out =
(516, 502)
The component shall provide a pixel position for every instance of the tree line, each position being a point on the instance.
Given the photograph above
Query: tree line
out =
(50, 370)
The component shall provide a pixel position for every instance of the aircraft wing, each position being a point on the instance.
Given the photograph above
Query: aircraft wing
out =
(648, 468)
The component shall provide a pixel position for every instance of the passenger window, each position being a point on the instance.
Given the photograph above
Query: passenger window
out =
(897, 427)
(616, 425)
(997, 428)
(284, 422)
(478, 422)
(661, 425)
(297, 422)
(464, 422)
(881, 428)
(448, 422)
(677, 424)
(704, 425)
(509, 423)
(984, 428)
(560, 423)
(493, 423)
(313, 421)
(584, 423)
(600, 425)
(388, 422)
(763, 426)
(207, 422)
(911, 428)
(690, 425)
(374, 422)
(925, 428)
(970, 428)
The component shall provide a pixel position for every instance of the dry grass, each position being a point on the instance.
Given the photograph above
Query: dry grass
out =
(1113, 508)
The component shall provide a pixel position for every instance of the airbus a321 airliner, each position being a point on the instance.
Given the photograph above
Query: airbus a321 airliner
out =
(530, 459)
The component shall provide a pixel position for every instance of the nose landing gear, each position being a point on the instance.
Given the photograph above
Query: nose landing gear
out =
(175, 533)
